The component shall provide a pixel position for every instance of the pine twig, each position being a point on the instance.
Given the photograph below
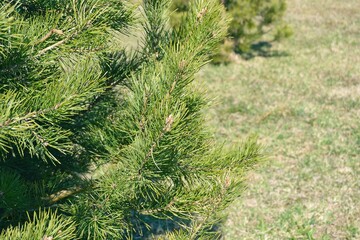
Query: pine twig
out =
(167, 128)
(49, 34)
(29, 116)
(53, 198)
(50, 47)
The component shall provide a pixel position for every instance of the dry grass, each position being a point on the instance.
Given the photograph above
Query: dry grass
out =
(305, 108)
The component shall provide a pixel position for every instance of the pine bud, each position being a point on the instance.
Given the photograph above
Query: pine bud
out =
(182, 65)
(47, 238)
(201, 14)
(169, 122)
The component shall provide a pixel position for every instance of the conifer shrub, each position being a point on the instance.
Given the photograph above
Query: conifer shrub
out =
(251, 21)
(97, 142)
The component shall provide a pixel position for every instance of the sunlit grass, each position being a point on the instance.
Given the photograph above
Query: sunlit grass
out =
(305, 108)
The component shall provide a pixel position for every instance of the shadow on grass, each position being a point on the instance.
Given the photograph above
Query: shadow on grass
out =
(262, 49)
(149, 227)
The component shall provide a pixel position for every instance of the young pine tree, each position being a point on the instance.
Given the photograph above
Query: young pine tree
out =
(97, 142)
(252, 21)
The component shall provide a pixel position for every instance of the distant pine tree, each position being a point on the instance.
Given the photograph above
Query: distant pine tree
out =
(96, 142)
(251, 21)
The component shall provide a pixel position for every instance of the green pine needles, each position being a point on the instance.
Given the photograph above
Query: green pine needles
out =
(97, 142)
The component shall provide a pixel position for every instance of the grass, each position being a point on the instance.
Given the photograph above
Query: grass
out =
(305, 108)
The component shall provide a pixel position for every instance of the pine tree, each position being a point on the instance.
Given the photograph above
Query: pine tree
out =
(97, 142)
(251, 21)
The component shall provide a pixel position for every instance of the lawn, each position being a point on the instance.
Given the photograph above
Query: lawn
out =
(303, 103)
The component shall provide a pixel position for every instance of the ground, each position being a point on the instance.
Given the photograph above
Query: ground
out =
(303, 103)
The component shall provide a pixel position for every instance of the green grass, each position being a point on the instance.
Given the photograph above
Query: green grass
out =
(305, 108)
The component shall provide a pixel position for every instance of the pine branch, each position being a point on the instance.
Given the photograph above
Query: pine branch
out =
(44, 225)
(167, 128)
(29, 117)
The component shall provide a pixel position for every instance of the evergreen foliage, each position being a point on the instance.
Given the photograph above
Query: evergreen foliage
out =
(97, 142)
(251, 20)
